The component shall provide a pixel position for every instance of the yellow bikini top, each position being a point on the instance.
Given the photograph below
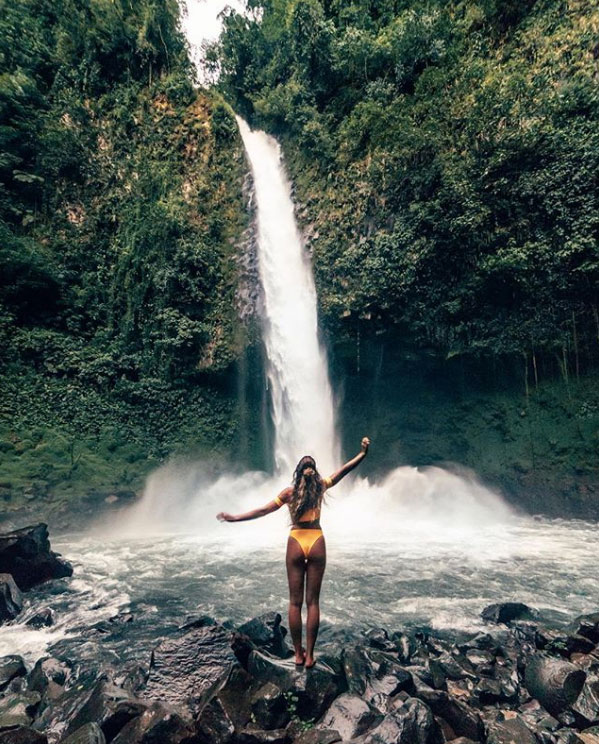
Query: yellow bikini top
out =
(312, 515)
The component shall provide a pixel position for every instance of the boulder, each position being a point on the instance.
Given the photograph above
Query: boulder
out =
(236, 695)
(318, 736)
(463, 720)
(22, 735)
(254, 735)
(567, 736)
(510, 730)
(588, 626)
(269, 707)
(107, 705)
(490, 691)
(372, 674)
(90, 733)
(586, 706)
(350, 716)
(158, 724)
(214, 724)
(590, 736)
(450, 666)
(11, 600)
(315, 688)
(18, 709)
(10, 668)
(42, 619)
(506, 612)
(26, 554)
(555, 683)
(267, 633)
(187, 671)
(48, 677)
(411, 722)
(379, 638)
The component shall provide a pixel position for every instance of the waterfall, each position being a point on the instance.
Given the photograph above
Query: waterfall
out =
(301, 396)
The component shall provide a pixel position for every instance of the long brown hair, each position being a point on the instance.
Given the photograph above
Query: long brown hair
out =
(308, 488)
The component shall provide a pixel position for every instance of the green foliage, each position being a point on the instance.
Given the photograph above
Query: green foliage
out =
(446, 154)
(120, 205)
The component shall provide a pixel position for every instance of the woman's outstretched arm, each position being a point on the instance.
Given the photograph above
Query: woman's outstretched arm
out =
(351, 464)
(262, 511)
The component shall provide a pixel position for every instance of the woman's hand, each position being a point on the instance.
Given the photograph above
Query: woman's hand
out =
(225, 517)
(365, 444)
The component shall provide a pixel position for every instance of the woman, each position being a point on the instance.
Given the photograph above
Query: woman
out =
(306, 550)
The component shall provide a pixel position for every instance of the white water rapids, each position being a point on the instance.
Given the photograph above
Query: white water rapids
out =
(417, 548)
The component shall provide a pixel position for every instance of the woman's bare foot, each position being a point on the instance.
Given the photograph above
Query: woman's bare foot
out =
(300, 658)
(309, 662)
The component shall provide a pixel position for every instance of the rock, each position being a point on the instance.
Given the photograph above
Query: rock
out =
(379, 638)
(315, 688)
(318, 736)
(90, 733)
(236, 694)
(269, 707)
(42, 619)
(590, 736)
(267, 633)
(18, 709)
(506, 612)
(463, 720)
(11, 600)
(587, 626)
(411, 722)
(48, 677)
(490, 691)
(107, 705)
(450, 666)
(11, 667)
(214, 724)
(555, 683)
(26, 554)
(131, 677)
(370, 674)
(567, 736)
(202, 621)
(350, 716)
(157, 725)
(22, 735)
(461, 740)
(188, 670)
(509, 731)
(251, 735)
(405, 647)
(587, 705)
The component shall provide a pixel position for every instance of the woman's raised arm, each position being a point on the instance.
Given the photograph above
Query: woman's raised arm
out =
(262, 511)
(351, 464)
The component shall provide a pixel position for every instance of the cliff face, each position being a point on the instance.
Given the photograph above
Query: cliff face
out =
(121, 219)
(444, 157)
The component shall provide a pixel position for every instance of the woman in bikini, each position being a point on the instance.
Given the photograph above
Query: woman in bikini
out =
(306, 550)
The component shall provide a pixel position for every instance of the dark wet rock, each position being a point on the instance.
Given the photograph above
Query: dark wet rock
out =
(109, 706)
(562, 644)
(480, 658)
(506, 612)
(405, 647)
(379, 638)
(421, 673)
(18, 709)
(158, 725)
(236, 694)
(267, 633)
(587, 626)
(48, 677)
(350, 716)
(26, 554)
(481, 642)
(450, 666)
(203, 621)
(42, 619)
(371, 673)
(11, 600)
(555, 683)
(90, 733)
(214, 724)
(586, 707)
(461, 740)
(590, 735)
(188, 670)
(490, 691)
(509, 730)
(55, 717)
(254, 735)
(131, 677)
(315, 688)
(269, 707)
(463, 719)
(567, 736)
(114, 624)
(411, 722)
(22, 735)
(10, 668)
(318, 736)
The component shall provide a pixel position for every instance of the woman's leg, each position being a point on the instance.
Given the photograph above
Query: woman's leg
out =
(296, 570)
(317, 561)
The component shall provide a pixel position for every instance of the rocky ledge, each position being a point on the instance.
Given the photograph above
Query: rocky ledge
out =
(515, 683)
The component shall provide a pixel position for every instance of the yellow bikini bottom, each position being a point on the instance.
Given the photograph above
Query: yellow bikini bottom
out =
(306, 538)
